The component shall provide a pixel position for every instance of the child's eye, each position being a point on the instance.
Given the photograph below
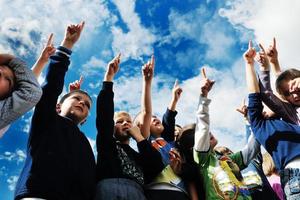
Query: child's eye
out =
(119, 122)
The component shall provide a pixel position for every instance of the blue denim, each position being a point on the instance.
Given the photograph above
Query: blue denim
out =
(290, 182)
(119, 189)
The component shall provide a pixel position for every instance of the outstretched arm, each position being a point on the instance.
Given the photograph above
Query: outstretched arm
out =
(252, 82)
(202, 132)
(146, 110)
(48, 51)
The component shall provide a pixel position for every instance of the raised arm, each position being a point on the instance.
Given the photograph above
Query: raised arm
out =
(146, 108)
(252, 82)
(272, 54)
(45, 110)
(202, 132)
(48, 51)
(26, 94)
(176, 93)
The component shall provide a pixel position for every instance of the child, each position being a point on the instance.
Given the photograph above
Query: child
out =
(60, 163)
(285, 110)
(279, 138)
(19, 90)
(161, 134)
(221, 174)
(121, 171)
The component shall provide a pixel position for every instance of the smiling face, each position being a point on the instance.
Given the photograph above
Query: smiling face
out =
(156, 127)
(7, 81)
(76, 107)
(123, 122)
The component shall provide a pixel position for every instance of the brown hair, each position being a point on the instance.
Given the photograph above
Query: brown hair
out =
(64, 97)
(286, 75)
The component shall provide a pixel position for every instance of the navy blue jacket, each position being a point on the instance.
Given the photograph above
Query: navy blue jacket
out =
(60, 163)
(279, 138)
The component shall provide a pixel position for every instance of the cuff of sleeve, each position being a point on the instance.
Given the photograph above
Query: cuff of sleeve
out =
(63, 50)
(107, 85)
(171, 112)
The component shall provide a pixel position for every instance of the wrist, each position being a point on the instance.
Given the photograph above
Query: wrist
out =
(108, 78)
(67, 44)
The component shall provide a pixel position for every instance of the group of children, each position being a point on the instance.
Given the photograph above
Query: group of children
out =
(172, 162)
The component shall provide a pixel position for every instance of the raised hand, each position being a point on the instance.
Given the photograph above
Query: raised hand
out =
(206, 84)
(176, 91)
(76, 84)
(262, 59)
(272, 52)
(148, 69)
(243, 109)
(295, 85)
(249, 55)
(112, 68)
(72, 34)
(49, 49)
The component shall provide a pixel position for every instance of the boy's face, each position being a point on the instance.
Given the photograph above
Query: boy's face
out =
(291, 96)
(156, 127)
(7, 82)
(76, 107)
(123, 122)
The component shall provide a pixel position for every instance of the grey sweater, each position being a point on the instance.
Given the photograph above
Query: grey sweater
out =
(26, 95)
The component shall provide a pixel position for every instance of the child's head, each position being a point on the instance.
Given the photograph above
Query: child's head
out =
(75, 105)
(268, 164)
(7, 81)
(283, 82)
(156, 127)
(123, 122)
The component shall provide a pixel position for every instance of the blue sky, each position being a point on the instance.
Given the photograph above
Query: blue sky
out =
(183, 35)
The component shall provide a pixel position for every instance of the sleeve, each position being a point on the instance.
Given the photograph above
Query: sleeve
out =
(152, 161)
(202, 136)
(271, 100)
(45, 110)
(26, 95)
(251, 150)
(105, 143)
(168, 122)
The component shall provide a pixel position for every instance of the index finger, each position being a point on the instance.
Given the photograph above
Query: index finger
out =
(80, 79)
(152, 60)
(176, 83)
(261, 48)
(274, 42)
(50, 39)
(250, 45)
(203, 73)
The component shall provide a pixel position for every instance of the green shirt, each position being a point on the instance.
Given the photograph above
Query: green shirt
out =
(220, 175)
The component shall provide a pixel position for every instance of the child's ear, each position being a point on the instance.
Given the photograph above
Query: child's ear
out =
(58, 106)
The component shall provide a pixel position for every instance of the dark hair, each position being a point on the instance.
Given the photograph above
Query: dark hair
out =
(286, 75)
(63, 98)
(185, 141)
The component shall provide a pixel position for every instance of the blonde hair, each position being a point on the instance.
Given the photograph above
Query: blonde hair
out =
(121, 113)
(268, 164)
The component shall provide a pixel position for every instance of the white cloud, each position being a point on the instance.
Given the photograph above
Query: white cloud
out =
(18, 156)
(93, 67)
(12, 181)
(138, 40)
(269, 19)
(23, 22)
(198, 25)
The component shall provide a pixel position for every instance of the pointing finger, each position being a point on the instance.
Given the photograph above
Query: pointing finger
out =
(274, 42)
(250, 45)
(261, 48)
(50, 39)
(203, 73)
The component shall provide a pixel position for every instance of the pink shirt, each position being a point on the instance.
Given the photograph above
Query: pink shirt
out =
(274, 181)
